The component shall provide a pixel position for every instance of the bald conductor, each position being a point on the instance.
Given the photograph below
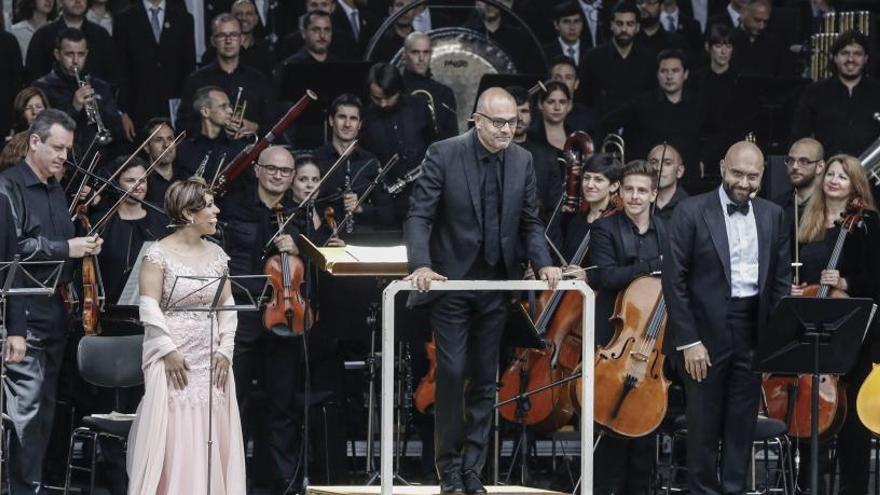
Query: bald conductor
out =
(727, 268)
(473, 205)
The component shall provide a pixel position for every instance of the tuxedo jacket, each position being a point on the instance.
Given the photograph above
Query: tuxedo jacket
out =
(696, 271)
(444, 226)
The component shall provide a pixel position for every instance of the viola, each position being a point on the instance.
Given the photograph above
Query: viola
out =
(788, 397)
(559, 323)
(287, 310)
(631, 391)
(426, 391)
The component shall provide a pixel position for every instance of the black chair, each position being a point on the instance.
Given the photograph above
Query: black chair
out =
(109, 362)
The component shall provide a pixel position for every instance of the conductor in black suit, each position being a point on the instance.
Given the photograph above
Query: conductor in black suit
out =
(727, 268)
(470, 210)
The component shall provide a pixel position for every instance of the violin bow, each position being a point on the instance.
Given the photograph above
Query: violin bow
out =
(797, 261)
(659, 174)
(103, 221)
(348, 216)
(75, 202)
(345, 154)
(115, 188)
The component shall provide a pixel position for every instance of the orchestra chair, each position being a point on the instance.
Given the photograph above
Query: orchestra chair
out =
(110, 362)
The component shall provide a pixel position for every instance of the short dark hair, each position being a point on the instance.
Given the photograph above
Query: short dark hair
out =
(847, 38)
(605, 164)
(310, 17)
(566, 9)
(640, 167)
(551, 87)
(203, 96)
(49, 117)
(719, 34)
(70, 34)
(345, 100)
(302, 159)
(668, 53)
(386, 77)
(223, 18)
(519, 93)
(155, 123)
(626, 7)
(134, 161)
(563, 60)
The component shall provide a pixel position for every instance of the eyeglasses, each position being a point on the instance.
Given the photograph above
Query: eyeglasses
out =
(499, 123)
(803, 161)
(227, 36)
(273, 170)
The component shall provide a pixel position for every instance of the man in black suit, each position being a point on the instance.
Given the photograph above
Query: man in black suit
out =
(730, 16)
(343, 45)
(475, 190)
(359, 23)
(152, 65)
(652, 34)
(39, 58)
(417, 76)
(317, 33)
(597, 14)
(756, 49)
(624, 247)
(675, 20)
(256, 52)
(568, 20)
(727, 267)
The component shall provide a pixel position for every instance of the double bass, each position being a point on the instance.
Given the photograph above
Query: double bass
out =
(788, 397)
(287, 310)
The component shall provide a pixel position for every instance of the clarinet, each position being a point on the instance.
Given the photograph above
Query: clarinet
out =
(349, 227)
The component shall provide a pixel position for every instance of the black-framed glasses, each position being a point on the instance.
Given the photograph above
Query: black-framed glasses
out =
(227, 36)
(499, 123)
(273, 170)
(803, 161)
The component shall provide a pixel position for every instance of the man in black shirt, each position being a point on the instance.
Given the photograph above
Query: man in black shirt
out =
(270, 356)
(625, 246)
(255, 52)
(667, 114)
(395, 123)
(417, 76)
(228, 73)
(804, 163)
(620, 69)
(756, 49)
(652, 35)
(355, 174)
(317, 31)
(39, 58)
(65, 93)
(499, 28)
(45, 233)
(667, 162)
(165, 172)
(216, 140)
(839, 111)
(581, 117)
(392, 40)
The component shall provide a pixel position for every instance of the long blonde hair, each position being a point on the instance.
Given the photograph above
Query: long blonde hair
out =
(812, 223)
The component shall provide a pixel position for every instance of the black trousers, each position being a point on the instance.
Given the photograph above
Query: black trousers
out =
(623, 466)
(724, 408)
(467, 331)
(854, 440)
(275, 362)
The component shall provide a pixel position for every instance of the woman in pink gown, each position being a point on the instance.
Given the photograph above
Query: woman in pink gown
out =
(168, 443)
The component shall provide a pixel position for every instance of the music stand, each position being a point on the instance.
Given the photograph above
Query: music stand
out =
(179, 304)
(814, 336)
(43, 287)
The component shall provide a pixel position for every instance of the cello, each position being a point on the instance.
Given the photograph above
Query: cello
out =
(426, 391)
(788, 397)
(286, 311)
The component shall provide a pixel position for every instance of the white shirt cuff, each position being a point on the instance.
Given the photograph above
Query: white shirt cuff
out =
(688, 346)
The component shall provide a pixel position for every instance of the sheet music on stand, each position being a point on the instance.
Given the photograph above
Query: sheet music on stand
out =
(358, 260)
(131, 292)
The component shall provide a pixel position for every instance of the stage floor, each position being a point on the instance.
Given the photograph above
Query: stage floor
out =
(422, 490)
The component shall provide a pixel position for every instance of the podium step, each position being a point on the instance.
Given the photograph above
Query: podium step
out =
(422, 490)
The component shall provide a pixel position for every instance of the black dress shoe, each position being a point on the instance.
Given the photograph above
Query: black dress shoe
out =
(472, 483)
(451, 484)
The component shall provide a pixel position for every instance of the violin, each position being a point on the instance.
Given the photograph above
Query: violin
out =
(559, 323)
(287, 311)
(787, 398)
(92, 301)
(631, 390)
(578, 143)
(427, 388)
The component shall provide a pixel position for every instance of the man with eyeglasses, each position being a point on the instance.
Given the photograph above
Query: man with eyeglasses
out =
(215, 140)
(255, 50)
(270, 356)
(805, 162)
(229, 73)
(457, 229)
(839, 111)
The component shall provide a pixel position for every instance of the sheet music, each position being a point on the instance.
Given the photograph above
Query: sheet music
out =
(131, 293)
(386, 254)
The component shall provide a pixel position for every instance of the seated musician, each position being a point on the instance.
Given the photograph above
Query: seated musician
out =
(269, 357)
(305, 181)
(128, 228)
(166, 171)
(218, 136)
(857, 274)
(625, 247)
(599, 188)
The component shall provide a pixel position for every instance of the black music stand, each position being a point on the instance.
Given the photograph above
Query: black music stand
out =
(814, 336)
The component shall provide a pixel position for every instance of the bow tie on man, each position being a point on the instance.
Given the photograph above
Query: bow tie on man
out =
(742, 208)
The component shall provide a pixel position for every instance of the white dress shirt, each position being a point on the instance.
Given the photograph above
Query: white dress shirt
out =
(591, 12)
(348, 11)
(665, 17)
(734, 15)
(742, 241)
(23, 32)
(105, 21)
(575, 50)
(701, 12)
(196, 8)
(422, 21)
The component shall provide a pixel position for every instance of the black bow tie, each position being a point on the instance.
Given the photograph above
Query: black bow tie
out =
(742, 208)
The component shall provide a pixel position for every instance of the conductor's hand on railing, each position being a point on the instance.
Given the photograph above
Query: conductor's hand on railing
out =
(421, 278)
(552, 274)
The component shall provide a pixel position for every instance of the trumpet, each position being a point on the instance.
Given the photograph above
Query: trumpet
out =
(614, 145)
(238, 109)
(93, 114)
(431, 108)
